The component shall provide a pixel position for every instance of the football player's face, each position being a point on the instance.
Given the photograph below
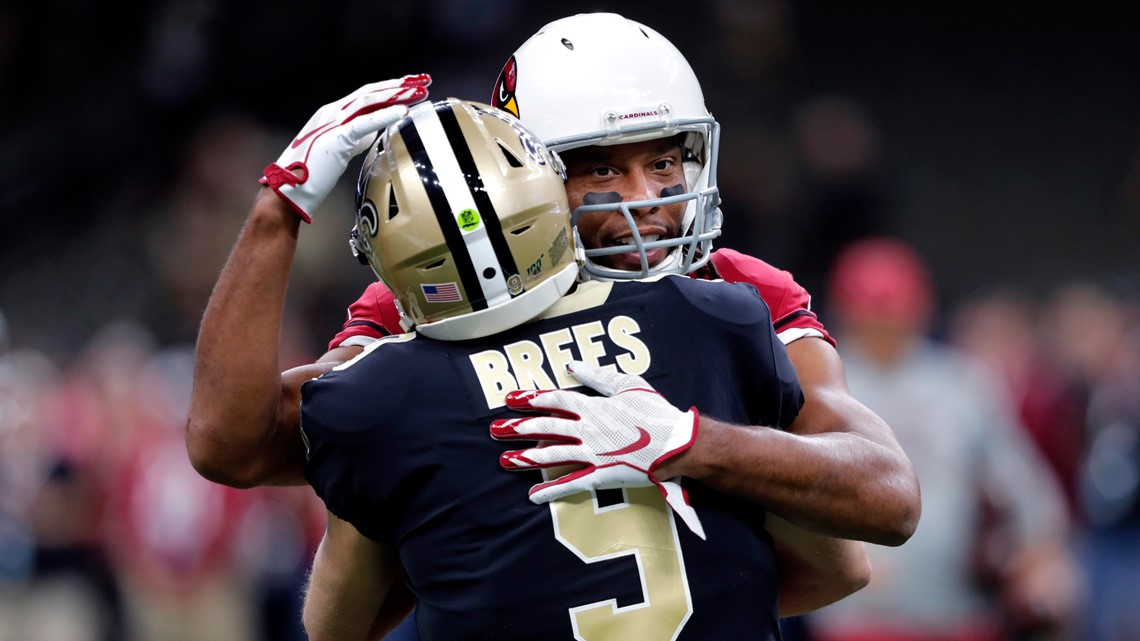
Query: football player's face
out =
(626, 173)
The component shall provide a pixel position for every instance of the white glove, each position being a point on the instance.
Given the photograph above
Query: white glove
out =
(337, 133)
(619, 438)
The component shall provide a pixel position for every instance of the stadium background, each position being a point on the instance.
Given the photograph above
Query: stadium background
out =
(1004, 140)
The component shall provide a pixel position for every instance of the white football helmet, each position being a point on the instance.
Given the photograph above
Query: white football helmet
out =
(600, 79)
(461, 213)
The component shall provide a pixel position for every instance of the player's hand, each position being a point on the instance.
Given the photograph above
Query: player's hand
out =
(619, 438)
(312, 164)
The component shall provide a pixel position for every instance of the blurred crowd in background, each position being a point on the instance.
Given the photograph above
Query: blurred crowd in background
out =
(1000, 146)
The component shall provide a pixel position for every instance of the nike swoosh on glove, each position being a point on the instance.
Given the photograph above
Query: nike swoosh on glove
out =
(618, 438)
(336, 134)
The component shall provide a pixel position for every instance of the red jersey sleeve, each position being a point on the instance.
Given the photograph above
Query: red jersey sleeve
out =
(372, 316)
(789, 303)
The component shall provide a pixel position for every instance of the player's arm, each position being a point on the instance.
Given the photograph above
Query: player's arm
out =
(350, 579)
(242, 424)
(847, 476)
(838, 471)
(864, 486)
(237, 432)
(815, 570)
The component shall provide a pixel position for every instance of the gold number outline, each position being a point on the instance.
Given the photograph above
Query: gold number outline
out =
(641, 526)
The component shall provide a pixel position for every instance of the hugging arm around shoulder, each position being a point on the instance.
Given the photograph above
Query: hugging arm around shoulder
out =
(837, 471)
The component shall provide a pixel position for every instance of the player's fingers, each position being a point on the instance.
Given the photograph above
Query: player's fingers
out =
(534, 428)
(416, 80)
(396, 96)
(410, 80)
(556, 402)
(511, 429)
(377, 100)
(540, 457)
(372, 122)
(504, 429)
(608, 383)
(520, 399)
(361, 104)
(371, 97)
(517, 460)
(572, 483)
(396, 86)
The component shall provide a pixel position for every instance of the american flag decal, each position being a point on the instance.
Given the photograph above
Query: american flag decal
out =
(441, 293)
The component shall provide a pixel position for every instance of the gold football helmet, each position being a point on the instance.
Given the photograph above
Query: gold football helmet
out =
(463, 215)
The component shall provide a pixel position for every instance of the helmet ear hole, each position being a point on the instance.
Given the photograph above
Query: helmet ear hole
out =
(512, 159)
(393, 206)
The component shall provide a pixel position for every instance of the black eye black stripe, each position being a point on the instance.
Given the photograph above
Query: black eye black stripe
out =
(475, 183)
(442, 209)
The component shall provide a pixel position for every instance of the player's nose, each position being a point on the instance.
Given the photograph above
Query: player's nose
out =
(639, 186)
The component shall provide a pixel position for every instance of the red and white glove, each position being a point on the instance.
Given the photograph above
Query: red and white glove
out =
(619, 438)
(336, 134)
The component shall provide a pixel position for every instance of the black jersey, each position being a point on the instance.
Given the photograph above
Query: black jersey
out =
(399, 446)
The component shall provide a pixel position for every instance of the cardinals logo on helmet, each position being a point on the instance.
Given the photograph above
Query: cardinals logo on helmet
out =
(504, 93)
